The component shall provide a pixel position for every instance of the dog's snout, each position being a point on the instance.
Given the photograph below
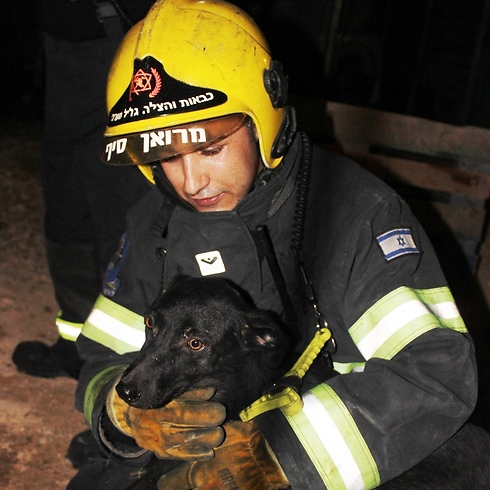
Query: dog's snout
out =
(127, 393)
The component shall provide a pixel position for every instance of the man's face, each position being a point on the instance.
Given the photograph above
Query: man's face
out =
(218, 177)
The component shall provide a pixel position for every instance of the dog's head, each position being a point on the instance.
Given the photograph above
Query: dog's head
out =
(203, 333)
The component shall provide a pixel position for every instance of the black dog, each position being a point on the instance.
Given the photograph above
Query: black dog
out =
(202, 333)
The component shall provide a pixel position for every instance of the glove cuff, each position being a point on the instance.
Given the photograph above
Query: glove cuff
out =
(117, 410)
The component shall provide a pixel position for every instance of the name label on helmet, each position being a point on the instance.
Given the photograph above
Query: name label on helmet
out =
(154, 139)
(117, 146)
(161, 107)
(162, 138)
(153, 92)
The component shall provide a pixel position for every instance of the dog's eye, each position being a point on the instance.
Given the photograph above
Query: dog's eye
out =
(195, 344)
(152, 327)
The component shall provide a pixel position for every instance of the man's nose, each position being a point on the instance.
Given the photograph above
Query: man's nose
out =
(196, 177)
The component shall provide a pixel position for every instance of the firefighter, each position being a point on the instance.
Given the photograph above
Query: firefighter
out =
(196, 101)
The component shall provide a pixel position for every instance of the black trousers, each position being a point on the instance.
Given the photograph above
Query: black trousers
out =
(86, 201)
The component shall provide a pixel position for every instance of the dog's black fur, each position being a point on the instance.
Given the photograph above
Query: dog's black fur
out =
(202, 333)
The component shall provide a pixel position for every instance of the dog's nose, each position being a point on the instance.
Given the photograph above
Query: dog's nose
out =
(132, 394)
(128, 394)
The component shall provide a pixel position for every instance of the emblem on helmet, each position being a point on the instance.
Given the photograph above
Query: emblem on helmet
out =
(153, 92)
(142, 82)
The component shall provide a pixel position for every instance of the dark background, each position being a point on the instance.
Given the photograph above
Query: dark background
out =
(428, 58)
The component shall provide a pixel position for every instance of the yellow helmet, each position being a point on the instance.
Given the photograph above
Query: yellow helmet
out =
(187, 75)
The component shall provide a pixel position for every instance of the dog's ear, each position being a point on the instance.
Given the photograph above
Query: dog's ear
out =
(256, 338)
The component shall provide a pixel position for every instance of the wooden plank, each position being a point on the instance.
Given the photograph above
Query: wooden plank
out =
(358, 128)
(467, 183)
(464, 221)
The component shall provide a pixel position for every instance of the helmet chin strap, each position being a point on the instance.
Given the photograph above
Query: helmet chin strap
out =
(286, 133)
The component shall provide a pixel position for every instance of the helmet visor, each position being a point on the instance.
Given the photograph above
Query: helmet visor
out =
(161, 144)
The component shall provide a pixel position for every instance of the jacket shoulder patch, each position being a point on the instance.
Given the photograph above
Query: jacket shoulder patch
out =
(111, 277)
(397, 242)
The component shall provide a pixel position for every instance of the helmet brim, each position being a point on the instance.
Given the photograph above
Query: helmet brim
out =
(162, 144)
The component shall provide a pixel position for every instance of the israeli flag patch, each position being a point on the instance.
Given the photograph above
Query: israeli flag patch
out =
(397, 242)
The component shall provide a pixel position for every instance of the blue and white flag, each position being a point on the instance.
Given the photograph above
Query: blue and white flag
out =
(397, 242)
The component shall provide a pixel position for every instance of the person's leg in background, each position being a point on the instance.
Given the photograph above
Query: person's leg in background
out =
(86, 201)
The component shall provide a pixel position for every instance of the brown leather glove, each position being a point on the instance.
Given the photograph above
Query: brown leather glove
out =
(243, 461)
(187, 428)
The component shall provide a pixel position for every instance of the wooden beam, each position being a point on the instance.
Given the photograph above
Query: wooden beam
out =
(425, 175)
(359, 128)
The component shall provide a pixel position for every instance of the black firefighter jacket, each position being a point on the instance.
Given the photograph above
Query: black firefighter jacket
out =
(407, 369)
